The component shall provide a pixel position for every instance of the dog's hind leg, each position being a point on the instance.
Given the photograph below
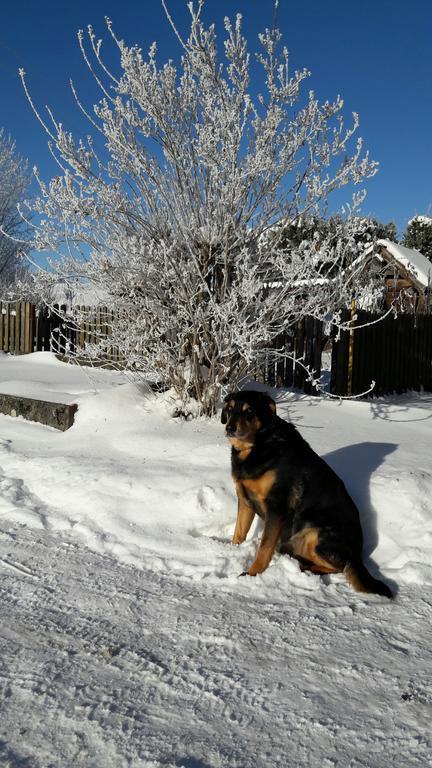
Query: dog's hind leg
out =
(336, 559)
(313, 555)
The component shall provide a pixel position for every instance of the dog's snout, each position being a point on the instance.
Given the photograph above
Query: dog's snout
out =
(230, 429)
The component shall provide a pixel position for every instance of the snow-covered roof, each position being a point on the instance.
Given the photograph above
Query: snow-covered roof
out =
(78, 295)
(413, 261)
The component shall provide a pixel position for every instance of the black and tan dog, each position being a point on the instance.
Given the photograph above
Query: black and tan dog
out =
(306, 508)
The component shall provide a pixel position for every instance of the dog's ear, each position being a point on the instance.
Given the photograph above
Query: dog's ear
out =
(269, 406)
(224, 417)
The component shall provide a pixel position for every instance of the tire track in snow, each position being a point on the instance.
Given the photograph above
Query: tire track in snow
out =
(107, 665)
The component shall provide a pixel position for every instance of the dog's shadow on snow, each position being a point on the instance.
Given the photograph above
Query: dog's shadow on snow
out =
(355, 465)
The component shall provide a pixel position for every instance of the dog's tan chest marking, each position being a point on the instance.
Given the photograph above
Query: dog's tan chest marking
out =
(242, 446)
(244, 454)
(260, 487)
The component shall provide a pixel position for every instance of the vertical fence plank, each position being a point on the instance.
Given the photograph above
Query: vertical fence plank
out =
(393, 355)
(28, 331)
(377, 357)
(404, 351)
(6, 328)
(299, 374)
(289, 362)
(417, 350)
(280, 364)
(428, 353)
(398, 331)
(386, 346)
(307, 353)
(339, 364)
(42, 330)
(17, 338)
(312, 352)
(1, 326)
(358, 347)
(317, 351)
(12, 324)
(410, 373)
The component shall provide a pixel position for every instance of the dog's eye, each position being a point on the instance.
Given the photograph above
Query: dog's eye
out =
(249, 414)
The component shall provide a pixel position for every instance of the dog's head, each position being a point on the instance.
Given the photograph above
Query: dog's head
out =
(246, 414)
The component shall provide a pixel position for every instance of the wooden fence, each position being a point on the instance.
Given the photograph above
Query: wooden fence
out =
(26, 328)
(395, 352)
(303, 343)
(16, 327)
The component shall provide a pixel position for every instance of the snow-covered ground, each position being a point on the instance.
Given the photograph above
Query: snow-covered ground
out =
(127, 638)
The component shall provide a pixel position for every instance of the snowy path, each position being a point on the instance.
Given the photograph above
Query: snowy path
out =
(104, 665)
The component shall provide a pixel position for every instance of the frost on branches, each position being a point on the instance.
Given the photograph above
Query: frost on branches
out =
(173, 207)
(14, 182)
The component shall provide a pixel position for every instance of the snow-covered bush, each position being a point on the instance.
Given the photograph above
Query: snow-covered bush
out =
(173, 206)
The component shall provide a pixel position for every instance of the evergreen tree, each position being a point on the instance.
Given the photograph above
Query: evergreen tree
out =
(418, 235)
(362, 232)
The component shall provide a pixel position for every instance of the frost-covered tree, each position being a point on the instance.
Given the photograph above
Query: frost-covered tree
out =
(418, 235)
(14, 182)
(172, 206)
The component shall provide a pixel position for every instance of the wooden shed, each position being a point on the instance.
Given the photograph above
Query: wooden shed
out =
(407, 276)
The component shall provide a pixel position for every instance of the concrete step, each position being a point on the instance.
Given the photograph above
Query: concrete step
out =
(58, 415)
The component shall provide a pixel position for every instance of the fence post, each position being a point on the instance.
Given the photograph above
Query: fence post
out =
(28, 329)
(17, 330)
(5, 309)
(299, 373)
(317, 352)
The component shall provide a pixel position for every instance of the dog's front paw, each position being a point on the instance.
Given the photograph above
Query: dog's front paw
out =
(246, 573)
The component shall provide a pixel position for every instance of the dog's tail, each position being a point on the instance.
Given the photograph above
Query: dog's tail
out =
(362, 581)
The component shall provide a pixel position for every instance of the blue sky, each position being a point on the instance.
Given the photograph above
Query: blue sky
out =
(376, 53)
